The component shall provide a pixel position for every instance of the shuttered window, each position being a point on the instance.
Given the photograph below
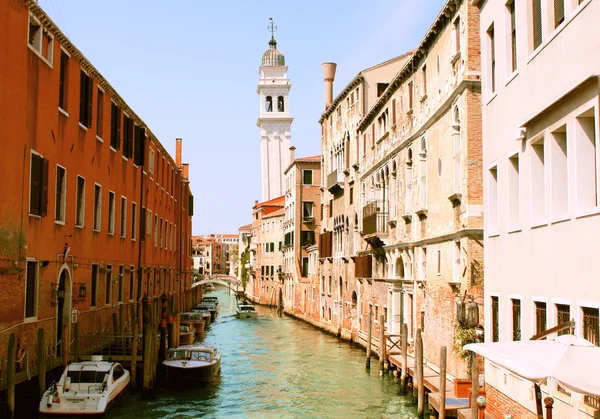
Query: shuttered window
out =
(38, 191)
(85, 99)
(127, 137)
(191, 205)
(64, 78)
(31, 289)
(559, 12)
(513, 35)
(492, 49)
(537, 23)
(115, 126)
(138, 149)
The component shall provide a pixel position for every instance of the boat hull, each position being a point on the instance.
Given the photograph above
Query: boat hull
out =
(246, 315)
(192, 373)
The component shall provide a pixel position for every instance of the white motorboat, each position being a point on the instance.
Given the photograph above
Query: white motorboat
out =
(246, 311)
(85, 388)
(192, 362)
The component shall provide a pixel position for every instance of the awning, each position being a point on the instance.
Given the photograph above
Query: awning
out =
(572, 361)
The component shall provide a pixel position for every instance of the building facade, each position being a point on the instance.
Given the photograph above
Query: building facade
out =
(97, 214)
(541, 184)
(274, 121)
(302, 223)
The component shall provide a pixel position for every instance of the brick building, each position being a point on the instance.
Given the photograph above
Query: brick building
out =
(95, 213)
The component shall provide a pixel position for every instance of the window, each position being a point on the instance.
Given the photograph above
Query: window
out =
(115, 126)
(38, 186)
(111, 212)
(560, 181)
(439, 262)
(269, 104)
(410, 96)
(591, 331)
(127, 136)
(108, 284)
(587, 169)
(307, 209)
(80, 204)
(393, 111)
(538, 182)
(61, 194)
(513, 192)
(513, 34)
(307, 177)
(559, 12)
(31, 289)
(493, 200)
(457, 271)
(330, 208)
(85, 99)
(537, 22)
(133, 220)
(97, 207)
(424, 80)
(492, 55)
(495, 320)
(280, 104)
(563, 315)
(148, 221)
(151, 160)
(540, 317)
(381, 88)
(99, 112)
(307, 238)
(123, 229)
(64, 80)
(138, 146)
(131, 282)
(120, 282)
(351, 195)
(456, 36)
(516, 319)
(40, 40)
(304, 266)
(155, 230)
(94, 287)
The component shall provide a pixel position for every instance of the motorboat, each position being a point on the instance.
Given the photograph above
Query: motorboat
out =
(245, 311)
(205, 315)
(85, 388)
(192, 363)
(211, 307)
(194, 321)
(214, 300)
(186, 334)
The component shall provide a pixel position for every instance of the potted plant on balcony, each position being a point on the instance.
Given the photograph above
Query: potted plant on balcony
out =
(465, 332)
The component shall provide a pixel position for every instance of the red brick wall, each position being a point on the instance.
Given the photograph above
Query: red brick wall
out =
(498, 405)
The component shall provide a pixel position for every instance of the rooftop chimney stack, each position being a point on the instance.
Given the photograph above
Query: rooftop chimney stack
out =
(292, 154)
(186, 170)
(328, 75)
(178, 152)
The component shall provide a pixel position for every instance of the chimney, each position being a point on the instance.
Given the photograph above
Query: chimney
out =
(186, 170)
(178, 152)
(292, 154)
(328, 75)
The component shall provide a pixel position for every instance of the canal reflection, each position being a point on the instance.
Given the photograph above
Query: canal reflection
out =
(276, 367)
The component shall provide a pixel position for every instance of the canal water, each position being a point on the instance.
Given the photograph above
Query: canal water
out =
(276, 367)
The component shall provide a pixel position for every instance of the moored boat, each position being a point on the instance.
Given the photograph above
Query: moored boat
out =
(85, 388)
(214, 300)
(186, 334)
(205, 315)
(209, 287)
(211, 307)
(245, 311)
(192, 363)
(195, 321)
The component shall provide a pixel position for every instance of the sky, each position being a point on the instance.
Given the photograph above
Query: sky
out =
(189, 69)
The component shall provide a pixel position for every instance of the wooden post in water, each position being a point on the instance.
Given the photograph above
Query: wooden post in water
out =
(474, 387)
(415, 377)
(10, 374)
(41, 354)
(163, 327)
(76, 337)
(420, 384)
(442, 411)
(147, 354)
(404, 376)
(65, 342)
(134, 349)
(369, 332)
(382, 344)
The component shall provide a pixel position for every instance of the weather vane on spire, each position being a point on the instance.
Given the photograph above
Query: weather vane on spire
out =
(272, 27)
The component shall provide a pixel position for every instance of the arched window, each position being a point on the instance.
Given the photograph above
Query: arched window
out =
(269, 104)
(354, 299)
(280, 105)
(399, 267)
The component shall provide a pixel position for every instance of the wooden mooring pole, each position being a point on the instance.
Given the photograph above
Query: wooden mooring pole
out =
(163, 327)
(10, 374)
(419, 374)
(369, 332)
(404, 377)
(147, 354)
(382, 345)
(442, 412)
(134, 348)
(41, 354)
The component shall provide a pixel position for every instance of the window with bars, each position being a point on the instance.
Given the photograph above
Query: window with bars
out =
(590, 325)
(516, 319)
(495, 320)
(563, 314)
(540, 317)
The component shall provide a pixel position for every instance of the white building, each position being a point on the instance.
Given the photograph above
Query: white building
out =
(274, 121)
(540, 66)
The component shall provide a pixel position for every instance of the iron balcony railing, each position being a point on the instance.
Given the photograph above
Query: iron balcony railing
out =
(374, 220)
(335, 180)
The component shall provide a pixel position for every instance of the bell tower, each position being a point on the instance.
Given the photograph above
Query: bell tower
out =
(274, 120)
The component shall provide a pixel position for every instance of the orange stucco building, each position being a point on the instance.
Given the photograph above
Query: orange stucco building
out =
(94, 212)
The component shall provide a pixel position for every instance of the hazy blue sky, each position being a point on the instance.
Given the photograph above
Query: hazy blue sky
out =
(189, 69)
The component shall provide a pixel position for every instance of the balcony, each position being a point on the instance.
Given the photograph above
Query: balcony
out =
(335, 181)
(375, 222)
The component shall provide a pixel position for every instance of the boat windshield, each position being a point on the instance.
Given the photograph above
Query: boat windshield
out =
(93, 377)
(200, 356)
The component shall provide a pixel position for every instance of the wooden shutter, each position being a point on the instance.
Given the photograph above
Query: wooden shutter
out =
(44, 189)
(82, 101)
(191, 205)
(89, 102)
(36, 186)
(142, 229)
(559, 12)
(537, 23)
(118, 128)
